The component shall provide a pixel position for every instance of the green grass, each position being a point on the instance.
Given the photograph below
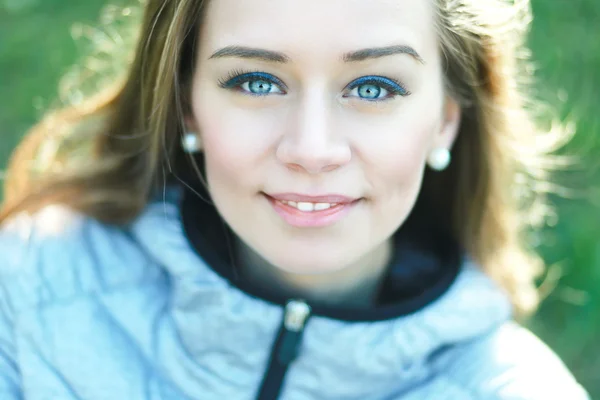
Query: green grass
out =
(566, 43)
(36, 49)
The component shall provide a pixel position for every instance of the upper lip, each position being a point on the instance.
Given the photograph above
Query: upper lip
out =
(300, 198)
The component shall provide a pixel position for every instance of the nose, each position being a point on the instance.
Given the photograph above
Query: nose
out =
(310, 143)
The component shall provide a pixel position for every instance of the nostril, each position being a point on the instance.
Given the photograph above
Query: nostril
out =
(295, 167)
(314, 169)
(330, 168)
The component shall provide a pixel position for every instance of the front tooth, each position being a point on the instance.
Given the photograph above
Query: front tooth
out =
(292, 203)
(305, 206)
(322, 206)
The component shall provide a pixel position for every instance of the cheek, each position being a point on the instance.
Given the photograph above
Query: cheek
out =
(399, 174)
(395, 154)
(395, 145)
(394, 159)
(396, 174)
(234, 140)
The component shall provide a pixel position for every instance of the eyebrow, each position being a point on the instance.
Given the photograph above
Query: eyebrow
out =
(278, 57)
(378, 52)
(250, 52)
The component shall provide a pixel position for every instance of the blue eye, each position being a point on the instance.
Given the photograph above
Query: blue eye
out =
(258, 87)
(370, 91)
(253, 83)
(376, 88)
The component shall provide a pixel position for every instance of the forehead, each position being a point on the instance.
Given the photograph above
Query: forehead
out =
(318, 27)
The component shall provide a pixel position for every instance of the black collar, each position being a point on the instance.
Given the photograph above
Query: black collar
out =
(425, 263)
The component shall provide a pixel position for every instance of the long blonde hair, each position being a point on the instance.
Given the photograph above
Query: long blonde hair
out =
(107, 156)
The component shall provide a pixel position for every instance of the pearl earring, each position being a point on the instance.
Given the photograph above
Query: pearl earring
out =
(439, 159)
(190, 142)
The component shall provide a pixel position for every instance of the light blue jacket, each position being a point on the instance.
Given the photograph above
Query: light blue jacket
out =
(94, 312)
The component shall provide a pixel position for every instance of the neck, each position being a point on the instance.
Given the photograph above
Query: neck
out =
(355, 285)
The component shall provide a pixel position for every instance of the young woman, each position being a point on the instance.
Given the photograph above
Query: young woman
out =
(284, 200)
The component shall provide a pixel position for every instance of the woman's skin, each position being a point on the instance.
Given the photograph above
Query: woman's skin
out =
(319, 115)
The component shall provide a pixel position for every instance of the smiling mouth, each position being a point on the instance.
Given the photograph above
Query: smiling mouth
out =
(307, 206)
(311, 211)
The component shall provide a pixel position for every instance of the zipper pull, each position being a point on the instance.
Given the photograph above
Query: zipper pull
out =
(294, 320)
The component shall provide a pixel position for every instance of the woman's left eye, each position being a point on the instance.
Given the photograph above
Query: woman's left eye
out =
(369, 92)
(375, 88)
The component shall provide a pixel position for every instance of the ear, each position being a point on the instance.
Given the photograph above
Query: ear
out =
(190, 123)
(450, 125)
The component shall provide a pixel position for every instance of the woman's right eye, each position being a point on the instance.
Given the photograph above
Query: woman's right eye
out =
(260, 87)
(253, 83)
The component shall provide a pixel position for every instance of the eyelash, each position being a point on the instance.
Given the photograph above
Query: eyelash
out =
(395, 87)
(236, 78)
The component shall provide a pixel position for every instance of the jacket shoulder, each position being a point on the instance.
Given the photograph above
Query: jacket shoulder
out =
(510, 363)
(57, 253)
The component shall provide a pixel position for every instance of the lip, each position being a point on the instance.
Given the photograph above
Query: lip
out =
(311, 219)
(330, 198)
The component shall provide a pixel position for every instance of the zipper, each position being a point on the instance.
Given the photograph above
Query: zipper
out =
(286, 348)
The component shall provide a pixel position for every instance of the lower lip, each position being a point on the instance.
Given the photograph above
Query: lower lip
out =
(311, 219)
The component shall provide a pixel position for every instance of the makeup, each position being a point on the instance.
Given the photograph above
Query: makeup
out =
(305, 211)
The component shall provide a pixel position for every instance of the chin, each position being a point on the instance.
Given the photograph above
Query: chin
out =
(315, 264)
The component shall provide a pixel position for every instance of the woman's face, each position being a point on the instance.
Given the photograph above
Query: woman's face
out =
(316, 118)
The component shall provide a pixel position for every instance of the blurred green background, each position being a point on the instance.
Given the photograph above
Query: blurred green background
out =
(37, 47)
